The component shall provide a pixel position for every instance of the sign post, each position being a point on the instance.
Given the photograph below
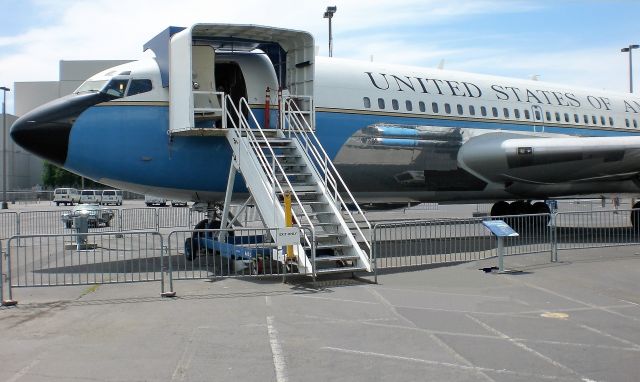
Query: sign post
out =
(501, 230)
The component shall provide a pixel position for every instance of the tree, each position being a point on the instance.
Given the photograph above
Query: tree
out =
(54, 176)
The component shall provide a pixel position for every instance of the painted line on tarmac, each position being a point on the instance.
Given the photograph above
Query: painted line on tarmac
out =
(598, 331)
(276, 351)
(447, 364)
(22, 372)
(184, 363)
(525, 347)
(337, 299)
(579, 301)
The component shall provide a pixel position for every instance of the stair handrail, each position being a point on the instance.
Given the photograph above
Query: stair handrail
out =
(300, 127)
(244, 126)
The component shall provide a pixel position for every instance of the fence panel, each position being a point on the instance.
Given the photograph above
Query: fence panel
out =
(132, 219)
(43, 223)
(597, 229)
(171, 217)
(425, 242)
(212, 253)
(8, 224)
(81, 259)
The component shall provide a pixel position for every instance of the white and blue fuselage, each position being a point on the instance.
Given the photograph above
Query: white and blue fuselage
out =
(396, 133)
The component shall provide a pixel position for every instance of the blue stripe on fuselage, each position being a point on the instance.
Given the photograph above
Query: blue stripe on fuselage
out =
(131, 144)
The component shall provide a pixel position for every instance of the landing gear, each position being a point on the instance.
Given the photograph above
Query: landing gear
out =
(521, 207)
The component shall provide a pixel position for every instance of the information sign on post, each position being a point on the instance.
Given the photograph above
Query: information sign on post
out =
(501, 230)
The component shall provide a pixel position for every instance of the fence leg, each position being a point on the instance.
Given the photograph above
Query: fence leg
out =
(500, 254)
(554, 237)
(169, 271)
(4, 254)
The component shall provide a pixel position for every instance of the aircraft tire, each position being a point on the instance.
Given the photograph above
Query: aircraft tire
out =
(635, 215)
(500, 208)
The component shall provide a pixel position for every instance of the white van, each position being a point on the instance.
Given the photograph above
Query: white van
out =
(66, 196)
(90, 196)
(112, 197)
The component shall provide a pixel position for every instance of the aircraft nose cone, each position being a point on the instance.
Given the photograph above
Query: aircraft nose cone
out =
(45, 131)
(48, 140)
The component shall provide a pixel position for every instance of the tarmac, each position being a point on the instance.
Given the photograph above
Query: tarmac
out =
(574, 320)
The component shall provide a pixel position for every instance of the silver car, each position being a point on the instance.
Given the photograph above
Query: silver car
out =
(97, 216)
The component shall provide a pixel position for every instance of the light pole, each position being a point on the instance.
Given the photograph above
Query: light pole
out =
(328, 14)
(629, 49)
(4, 147)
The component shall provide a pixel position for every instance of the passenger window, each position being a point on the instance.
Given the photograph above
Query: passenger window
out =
(494, 111)
(139, 86)
(527, 115)
(611, 121)
(472, 110)
(367, 102)
(566, 117)
(602, 121)
(538, 115)
(394, 104)
(506, 112)
(483, 111)
(434, 106)
(548, 116)
(635, 123)
(447, 108)
(576, 118)
(626, 122)
(594, 119)
(421, 106)
(116, 87)
(586, 119)
(460, 110)
(557, 117)
(380, 103)
(409, 105)
(516, 113)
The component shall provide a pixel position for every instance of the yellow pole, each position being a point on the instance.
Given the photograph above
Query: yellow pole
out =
(288, 220)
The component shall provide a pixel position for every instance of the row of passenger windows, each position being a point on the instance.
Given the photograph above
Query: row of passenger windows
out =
(505, 113)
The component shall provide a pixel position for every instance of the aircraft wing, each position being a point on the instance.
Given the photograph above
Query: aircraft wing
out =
(507, 157)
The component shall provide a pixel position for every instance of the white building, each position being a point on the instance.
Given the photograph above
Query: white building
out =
(24, 171)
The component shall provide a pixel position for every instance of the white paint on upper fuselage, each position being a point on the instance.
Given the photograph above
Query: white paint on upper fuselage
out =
(343, 84)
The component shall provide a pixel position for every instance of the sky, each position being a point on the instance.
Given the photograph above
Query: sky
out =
(574, 42)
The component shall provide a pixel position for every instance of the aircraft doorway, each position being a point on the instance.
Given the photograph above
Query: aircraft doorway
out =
(229, 79)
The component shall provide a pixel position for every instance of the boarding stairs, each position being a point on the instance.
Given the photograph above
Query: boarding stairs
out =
(290, 159)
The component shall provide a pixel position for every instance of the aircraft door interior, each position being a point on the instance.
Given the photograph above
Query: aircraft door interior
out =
(229, 79)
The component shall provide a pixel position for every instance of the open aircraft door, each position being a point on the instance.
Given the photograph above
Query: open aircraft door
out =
(191, 63)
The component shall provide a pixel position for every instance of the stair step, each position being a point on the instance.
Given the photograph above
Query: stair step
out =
(291, 174)
(329, 235)
(333, 246)
(336, 258)
(274, 140)
(302, 187)
(340, 270)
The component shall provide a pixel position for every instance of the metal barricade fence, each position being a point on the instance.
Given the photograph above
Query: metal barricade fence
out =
(43, 223)
(9, 223)
(132, 219)
(83, 259)
(425, 242)
(170, 217)
(213, 253)
(597, 229)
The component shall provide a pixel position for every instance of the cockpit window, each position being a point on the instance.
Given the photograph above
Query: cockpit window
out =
(139, 86)
(91, 86)
(116, 88)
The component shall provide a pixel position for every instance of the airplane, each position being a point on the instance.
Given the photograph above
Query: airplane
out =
(395, 133)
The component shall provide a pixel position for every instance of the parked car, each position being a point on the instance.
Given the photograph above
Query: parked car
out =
(178, 203)
(152, 200)
(91, 196)
(66, 196)
(97, 215)
(112, 197)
